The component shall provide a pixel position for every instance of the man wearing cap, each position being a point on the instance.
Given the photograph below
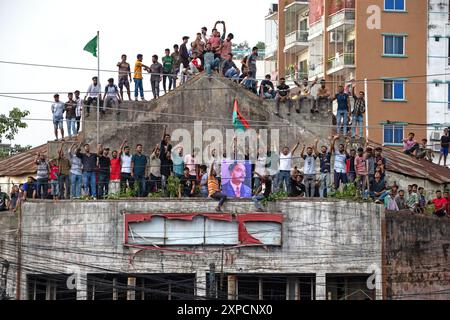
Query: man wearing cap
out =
(236, 187)
(92, 95)
(58, 109)
(111, 96)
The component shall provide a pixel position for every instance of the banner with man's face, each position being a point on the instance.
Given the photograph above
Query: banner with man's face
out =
(237, 178)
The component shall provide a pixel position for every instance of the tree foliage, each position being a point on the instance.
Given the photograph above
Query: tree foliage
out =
(10, 125)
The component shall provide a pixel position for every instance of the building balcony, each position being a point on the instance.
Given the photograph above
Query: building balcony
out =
(296, 41)
(315, 71)
(344, 16)
(296, 76)
(341, 62)
(271, 52)
(316, 29)
(272, 16)
(296, 6)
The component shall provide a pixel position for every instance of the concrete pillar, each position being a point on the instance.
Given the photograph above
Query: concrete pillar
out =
(232, 288)
(81, 286)
(131, 292)
(320, 286)
(201, 284)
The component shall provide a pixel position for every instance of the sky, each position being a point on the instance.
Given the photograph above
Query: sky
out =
(54, 32)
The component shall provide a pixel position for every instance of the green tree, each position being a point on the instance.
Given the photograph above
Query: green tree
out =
(10, 125)
(261, 45)
(12, 150)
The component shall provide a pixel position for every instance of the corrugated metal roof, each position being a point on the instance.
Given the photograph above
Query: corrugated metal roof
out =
(401, 163)
(22, 163)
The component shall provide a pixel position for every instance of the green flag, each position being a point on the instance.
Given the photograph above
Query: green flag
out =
(91, 46)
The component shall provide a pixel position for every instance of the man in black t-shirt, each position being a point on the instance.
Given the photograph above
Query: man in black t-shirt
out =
(298, 189)
(104, 170)
(283, 96)
(186, 188)
(445, 143)
(166, 164)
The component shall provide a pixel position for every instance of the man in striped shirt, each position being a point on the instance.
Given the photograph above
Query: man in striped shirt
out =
(214, 189)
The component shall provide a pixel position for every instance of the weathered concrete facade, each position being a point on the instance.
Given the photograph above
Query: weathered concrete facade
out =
(417, 261)
(209, 102)
(318, 238)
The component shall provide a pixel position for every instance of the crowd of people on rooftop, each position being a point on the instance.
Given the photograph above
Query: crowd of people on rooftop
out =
(84, 174)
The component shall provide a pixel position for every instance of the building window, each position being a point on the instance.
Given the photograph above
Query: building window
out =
(394, 90)
(393, 134)
(448, 96)
(394, 5)
(448, 50)
(394, 45)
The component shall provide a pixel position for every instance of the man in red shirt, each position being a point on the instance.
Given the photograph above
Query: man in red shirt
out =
(440, 204)
(114, 177)
(446, 196)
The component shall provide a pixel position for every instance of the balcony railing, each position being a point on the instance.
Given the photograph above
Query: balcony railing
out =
(316, 28)
(296, 36)
(315, 70)
(296, 76)
(344, 15)
(271, 49)
(343, 59)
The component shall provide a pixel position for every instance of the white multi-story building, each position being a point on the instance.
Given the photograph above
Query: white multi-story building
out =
(438, 100)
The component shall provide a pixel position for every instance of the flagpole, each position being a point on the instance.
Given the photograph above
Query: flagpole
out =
(98, 82)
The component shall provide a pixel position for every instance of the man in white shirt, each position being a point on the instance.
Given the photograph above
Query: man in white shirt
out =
(78, 110)
(195, 64)
(93, 94)
(340, 162)
(285, 167)
(125, 173)
(111, 97)
(190, 161)
(57, 112)
(215, 162)
(309, 169)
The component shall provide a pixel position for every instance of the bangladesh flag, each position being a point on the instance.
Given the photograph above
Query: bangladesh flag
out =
(91, 46)
(239, 122)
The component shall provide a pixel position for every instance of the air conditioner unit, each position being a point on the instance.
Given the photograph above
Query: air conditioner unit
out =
(436, 147)
(336, 37)
(435, 136)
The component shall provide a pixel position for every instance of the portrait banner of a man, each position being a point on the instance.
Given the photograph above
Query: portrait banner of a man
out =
(237, 178)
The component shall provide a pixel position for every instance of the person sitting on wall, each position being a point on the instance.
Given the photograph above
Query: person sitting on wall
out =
(214, 188)
(440, 205)
(264, 190)
(305, 94)
(298, 189)
(410, 145)
(323, 97)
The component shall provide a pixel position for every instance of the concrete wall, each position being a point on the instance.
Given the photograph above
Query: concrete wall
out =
(209, 101)
(417, 262)
(318, 237)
